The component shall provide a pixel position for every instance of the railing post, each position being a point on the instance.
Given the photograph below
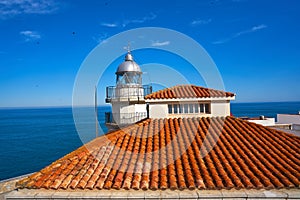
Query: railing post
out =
(106, 92)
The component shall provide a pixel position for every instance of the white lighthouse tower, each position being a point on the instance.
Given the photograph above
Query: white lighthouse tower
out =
(127, 97)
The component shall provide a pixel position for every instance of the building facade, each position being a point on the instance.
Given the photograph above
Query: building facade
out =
(132, 101)
(292, 119)
(189, 101)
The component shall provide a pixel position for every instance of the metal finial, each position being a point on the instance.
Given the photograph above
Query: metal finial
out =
(128, 56)
(128, 48)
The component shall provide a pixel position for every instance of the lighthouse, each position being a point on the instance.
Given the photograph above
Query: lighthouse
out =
(127, 96)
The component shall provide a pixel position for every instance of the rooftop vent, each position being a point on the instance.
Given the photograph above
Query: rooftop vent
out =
(262, 117)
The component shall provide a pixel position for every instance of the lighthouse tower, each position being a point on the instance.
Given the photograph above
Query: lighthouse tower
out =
(127, 97)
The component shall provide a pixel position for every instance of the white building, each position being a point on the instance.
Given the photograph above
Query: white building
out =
(132, 102)
(189, 101)
(291, 119)
(127, 97)
(262, 120)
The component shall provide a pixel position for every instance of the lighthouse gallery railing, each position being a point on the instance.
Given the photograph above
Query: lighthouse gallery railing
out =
(128, 92)
(125, 118)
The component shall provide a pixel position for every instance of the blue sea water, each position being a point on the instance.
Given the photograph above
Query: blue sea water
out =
(268, 109)
(32, 138)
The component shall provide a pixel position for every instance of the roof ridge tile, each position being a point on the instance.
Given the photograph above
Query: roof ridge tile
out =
(187, 91)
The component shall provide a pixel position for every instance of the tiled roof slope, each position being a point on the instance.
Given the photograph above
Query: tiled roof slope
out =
(246, 155)
(187, 91)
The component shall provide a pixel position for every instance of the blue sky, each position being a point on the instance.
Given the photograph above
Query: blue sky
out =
(255, 44)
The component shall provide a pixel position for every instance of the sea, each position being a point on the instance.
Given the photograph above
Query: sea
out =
(32, 138)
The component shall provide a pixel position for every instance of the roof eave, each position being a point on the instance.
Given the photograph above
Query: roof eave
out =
(164, 100)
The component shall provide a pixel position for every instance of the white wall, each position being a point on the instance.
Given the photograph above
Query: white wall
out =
(264, 122)
(158, 111)
(288, 119)
(140, 107)
(125, 113)
(124, 107)
(217, 108)
(130, 92)
(296, 127)
(127, 109)
(220, 108)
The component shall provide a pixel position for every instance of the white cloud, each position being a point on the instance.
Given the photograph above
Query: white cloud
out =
(158, 43)
(200, 22)
(30, 35)
(221, 41)
(126, 22)
(251, 30)
(101, 38)
(109, 25)
(150, 17)
(9, 8)
(256, 28)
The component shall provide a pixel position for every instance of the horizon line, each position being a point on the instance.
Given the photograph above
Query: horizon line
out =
(108, 105)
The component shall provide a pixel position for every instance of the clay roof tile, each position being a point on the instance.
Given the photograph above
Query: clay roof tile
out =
(188, 91)
(183, 153)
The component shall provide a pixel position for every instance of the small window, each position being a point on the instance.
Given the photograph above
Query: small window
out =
(207, 110)
(180, 108)
(175, 108)
(201, 108)
(196, 106)
(191, 107)
(186, 108)
(170, 109)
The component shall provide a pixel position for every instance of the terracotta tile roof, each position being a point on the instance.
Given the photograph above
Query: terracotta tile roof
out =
(246, 155)
(188, 91)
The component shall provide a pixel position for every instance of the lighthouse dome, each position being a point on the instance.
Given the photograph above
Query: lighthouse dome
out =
(128, 65)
